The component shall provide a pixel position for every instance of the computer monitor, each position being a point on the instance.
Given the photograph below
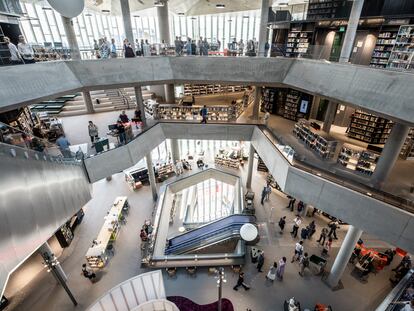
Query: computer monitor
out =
(112, 127)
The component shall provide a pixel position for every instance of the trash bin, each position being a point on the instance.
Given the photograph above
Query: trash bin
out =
(317, 264)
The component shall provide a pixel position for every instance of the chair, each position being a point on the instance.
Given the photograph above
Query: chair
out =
(236, 269)
(172, 272)
(212, 271)
(191, 271)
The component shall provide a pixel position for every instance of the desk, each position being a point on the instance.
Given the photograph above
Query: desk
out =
(96, 254)
(99, 145)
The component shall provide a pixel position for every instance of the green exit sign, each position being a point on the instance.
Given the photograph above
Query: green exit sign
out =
(341, 29)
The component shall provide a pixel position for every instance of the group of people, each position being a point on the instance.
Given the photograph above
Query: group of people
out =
(22, 54)
(146, 231)
(182, 165)
(192, 47)
(104, 49)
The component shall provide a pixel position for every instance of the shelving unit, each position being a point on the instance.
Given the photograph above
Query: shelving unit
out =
(369, 128)
(291, 105)
(407, 151)
(383, 48)
(401, 56)
(64, 235)
(261, 166)
(163, 171)
(222, 160)
(324, 9)
(208, 89)
(320, 142)
(298, 43)
(358, 159)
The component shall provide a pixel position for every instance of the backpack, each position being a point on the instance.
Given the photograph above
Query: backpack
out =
(281, 222)
(306, 262)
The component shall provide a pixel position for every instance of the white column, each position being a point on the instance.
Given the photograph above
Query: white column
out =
(175, 150)
(88, 102)
(389, 154)
(151, 175)
(329, 116)
(345, 252)
(126, 19)
(164, 23)
(250, 167)
(256, 104)
(71, 37)
(169, 93)
(140, 103)
(351, 29)
(264, 17)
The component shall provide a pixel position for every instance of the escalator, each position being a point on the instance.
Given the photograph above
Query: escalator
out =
(222, 234)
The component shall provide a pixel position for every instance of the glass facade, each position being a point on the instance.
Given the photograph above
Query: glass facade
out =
(43, 25)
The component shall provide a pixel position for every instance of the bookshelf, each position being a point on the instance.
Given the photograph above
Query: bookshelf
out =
(261, 166)
(401, 56)
(291, 105)
(320, 142)
(369, 128)
(224, 161)
(298, 43)
(383, 47)
(407, 151)
(209, 89)
(324, 9)
(358, 159)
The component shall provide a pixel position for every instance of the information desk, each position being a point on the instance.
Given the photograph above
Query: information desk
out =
(96, 255)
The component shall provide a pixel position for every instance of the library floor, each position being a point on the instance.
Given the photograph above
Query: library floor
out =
(42, 293)
(399, 183)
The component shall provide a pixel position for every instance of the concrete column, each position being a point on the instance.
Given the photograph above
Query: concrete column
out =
(175, 150)
(151, 175)
(88, 102)
(389, 154)
(351, 29)
(164, 23)
(250, 167)
(315, 107)
(126, 19)
(341, 260)
(256, 104)
(169, 93)
(329, 116)
(140, 104)
(264, 17)
(71, 37)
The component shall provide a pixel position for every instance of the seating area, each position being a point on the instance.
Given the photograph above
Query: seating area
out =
(185, 304)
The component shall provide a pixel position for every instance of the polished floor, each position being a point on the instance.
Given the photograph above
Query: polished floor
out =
(42, 292)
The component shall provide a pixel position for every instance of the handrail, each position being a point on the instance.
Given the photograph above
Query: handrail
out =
(355, 185)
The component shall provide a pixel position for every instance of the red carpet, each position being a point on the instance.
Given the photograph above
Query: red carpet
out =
(185, 304)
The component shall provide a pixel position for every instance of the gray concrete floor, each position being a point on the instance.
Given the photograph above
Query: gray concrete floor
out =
(42, 292)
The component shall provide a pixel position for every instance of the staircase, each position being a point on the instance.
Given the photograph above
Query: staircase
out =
(109, 100)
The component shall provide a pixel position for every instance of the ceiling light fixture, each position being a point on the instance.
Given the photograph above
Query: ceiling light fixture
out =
(181, 14)
(105, 11)
(246, 16)
(136, 16)
(283, 4)
(158, 3)
(88, 14)
(220, 6)
(229, 20)
(46, 8)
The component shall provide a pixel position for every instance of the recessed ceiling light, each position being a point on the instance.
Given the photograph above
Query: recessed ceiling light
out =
(283, 4)
(193, 18)
(46, 8)
(229, 20)
(136, 16)
(245, 16)
(158, 3)
(88, 14)
(105, 11)
(220, 6)
(181, 14)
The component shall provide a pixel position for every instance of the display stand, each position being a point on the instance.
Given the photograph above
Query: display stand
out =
(223, 160)
(358, 159)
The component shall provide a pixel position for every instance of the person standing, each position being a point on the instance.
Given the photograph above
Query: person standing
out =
(312, 229)
(298, 251)
(204, 114)
(240, 282)
(26, 51)
(271, 275)
(323, 235)
(63, 145)
(93, 132)
(327, 247)
(282, 223)
(266, 49)
(96, 49)
(281, 268)
(263, 195)
(88, 273)
(147, 48)
(260, 261)
(296, 223)
(333, 226)
(113, 49)
(128, 50)
(15, 57)
(123, 117)
(121, 132)
(291, 203)
(301, 205)
(178, 46)
(303, 263)
(268, 192)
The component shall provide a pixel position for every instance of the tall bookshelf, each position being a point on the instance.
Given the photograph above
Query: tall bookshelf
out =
(291, 105)
(369, 128)
(407, 151)
(401, 56)
(324, 9)
(383, 47)
(209, 89)
(298, 43)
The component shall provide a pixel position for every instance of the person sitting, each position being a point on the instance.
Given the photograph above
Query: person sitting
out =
(143, 235)
(200, 163)
(123, 117)
(186, 165)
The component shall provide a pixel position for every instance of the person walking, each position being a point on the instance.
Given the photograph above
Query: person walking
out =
(271, 275)
(303, 263)
(204, 113)
(301, 206)
(291, 203)
(282, 223)
(323, 235)
(123, 117)
(298, 251)
(263, 195)
(312, 229)
(333, 226)
(121, 132)
(93, 132)
(268, 192)
(63, 145)
(113, 49)
(15, 57)
(240, 282)
(88, 273)
(296, 223)
(327, 247)
(260, 261)
(281, 268)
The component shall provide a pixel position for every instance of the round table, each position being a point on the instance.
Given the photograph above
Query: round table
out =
(248, 232)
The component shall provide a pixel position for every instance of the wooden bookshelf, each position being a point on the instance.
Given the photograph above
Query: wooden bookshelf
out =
(324, 9)
(383, 47)
(298, 43)
(369, 128)
(407, 151)
(358, 159)
(401, 56)
(291, 105)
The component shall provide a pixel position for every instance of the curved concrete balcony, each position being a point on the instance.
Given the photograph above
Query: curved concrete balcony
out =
(388, 93)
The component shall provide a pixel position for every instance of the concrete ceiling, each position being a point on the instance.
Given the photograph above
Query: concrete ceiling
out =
(188, 7)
